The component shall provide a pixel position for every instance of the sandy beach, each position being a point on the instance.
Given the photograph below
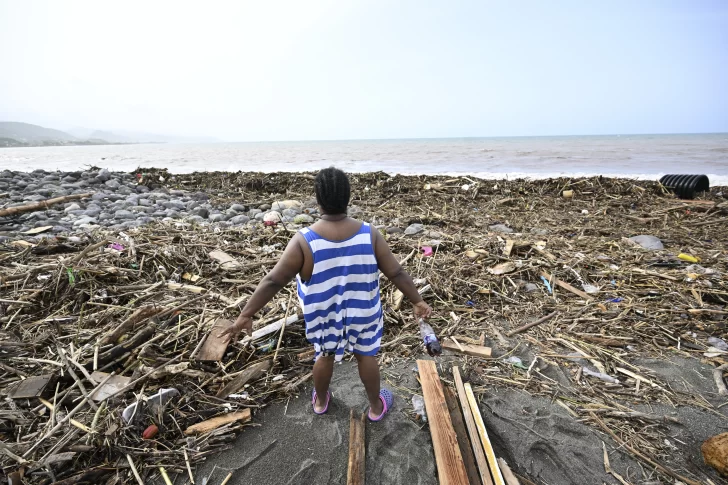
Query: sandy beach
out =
(639, 325)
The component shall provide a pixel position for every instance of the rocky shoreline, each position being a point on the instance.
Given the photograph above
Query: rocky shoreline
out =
(122, 201)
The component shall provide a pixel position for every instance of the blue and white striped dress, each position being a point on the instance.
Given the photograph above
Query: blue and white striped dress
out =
(340, 302)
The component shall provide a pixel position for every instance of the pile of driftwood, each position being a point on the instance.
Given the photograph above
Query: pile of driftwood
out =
(91, 325)
(112, 365)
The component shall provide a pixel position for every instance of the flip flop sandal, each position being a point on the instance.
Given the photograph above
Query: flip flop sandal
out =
(313, 402)
(387, 400)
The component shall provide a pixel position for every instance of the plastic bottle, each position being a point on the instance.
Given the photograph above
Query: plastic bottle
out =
(430, 339)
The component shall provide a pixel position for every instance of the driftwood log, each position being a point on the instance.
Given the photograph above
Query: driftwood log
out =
(43, 204)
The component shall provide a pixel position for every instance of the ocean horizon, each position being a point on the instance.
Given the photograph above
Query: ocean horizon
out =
(634, 156)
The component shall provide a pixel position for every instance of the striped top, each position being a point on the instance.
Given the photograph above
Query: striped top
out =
(340, 301)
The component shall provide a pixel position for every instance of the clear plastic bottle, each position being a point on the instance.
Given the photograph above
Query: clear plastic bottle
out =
(430, 339)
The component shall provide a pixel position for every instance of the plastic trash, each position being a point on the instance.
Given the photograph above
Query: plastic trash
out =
(685, 186)
(418, 404)
(160, 399)
(718, 343)
(430, 339)
(615, 300)
(426, 251)
(116, 247)
(688, 257)
(548, 285)
(599, 375)
(516, 362)
(590, 289)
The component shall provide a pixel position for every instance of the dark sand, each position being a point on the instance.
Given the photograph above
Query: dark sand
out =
(538, 438)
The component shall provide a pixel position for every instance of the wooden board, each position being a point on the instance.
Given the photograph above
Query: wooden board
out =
(450, 467)
(214, 423)
(565, 286)
(110, 388)
(248, 374)
(226, 261)
(215, 346)
(31, 387)
(456, 416)
(475, 444)
(357, 449)
(484, 439)
(467, 349)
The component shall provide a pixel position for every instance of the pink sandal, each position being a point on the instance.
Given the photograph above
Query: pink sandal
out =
(387, 400)
(313, 402)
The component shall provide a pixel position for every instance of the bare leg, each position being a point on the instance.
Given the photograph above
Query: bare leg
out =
(322, 371)
(369, 375)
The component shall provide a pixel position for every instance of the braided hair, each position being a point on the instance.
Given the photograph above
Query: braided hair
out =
(332, 191)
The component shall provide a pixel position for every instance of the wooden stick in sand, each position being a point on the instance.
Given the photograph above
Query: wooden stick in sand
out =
(525, 327)
(472, 429)
(450, 467)
(357, 449)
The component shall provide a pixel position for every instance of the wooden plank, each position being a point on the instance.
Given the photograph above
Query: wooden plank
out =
(214, 423)
(110, 388)
(475, 444)
(250, 373)
(226, 261)
(450, 467)
(467, 349)
(456, 416)
(31, 387)
(509, 247)
(565, 285)
(507, 473)
(357, 449)
(215, 346)
(484, 439)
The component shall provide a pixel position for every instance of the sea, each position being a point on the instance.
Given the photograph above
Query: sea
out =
(633, 156)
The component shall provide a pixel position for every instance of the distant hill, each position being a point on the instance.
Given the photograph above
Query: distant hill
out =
(14, 134)
(27, 133)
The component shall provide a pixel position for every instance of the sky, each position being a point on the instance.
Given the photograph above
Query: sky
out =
(364, 69)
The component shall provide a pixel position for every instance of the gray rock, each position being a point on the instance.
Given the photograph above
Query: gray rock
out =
(85, 220)
(195, 219)
(34, 198)
(237, 207)
(216, 217)
(92, 212)
(175, 204)
(112, 184)
(414, 229)
(103, 175)
(264, 207)
(124, 190)
(290, 212)
(124, 214)
(200, 211)
(302, 219)
(530, 287)
(159, 214)
(145, 202)
(502, 228)
(254, 212)
(105, 216)
(172, 214)
(142, 189)
(241, 219)
(72, 207)
(648, 242)
(394, 230)
(260, 216)
(192, 205)
(141, 208)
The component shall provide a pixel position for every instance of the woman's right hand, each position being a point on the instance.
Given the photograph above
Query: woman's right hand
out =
(233, 331)
(422, 310)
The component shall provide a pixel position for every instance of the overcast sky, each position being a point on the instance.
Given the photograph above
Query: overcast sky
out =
(296, 70)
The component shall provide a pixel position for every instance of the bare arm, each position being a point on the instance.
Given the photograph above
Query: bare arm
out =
(284, 271)
(394, 271)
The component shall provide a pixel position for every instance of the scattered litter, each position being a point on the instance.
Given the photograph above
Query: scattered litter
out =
(418, 405)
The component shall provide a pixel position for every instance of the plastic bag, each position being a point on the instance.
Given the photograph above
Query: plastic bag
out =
(418, 404)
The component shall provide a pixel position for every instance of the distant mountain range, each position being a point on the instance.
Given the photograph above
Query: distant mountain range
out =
(15, 134)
